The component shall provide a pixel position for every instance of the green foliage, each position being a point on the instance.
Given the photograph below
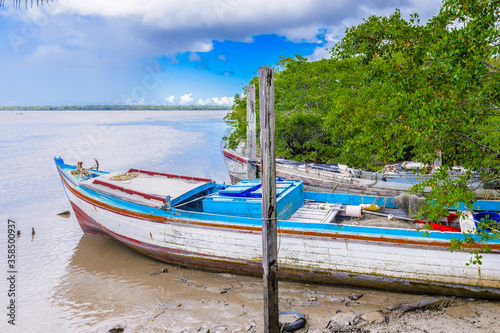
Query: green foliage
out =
(477, 243)
(442, 91)
(397, 89)
(305, 97)
(445, 192)
(439, 81)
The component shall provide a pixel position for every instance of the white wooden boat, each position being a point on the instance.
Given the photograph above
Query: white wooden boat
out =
(340, 178)
(197, 223)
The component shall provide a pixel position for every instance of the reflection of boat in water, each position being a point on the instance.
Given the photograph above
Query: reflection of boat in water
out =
(108, 283)
(334, 177)
(102, 276)
(105, 258)
(196, 223)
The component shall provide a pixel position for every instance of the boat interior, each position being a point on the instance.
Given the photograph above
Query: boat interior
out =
(166, 191)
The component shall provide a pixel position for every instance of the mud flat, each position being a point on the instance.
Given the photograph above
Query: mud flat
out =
(205, 302)
(108, 286)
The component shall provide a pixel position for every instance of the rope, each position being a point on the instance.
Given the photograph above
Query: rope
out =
(123, 177)
(185, 203)
(277, 228)
(335, 187)
(82, 173)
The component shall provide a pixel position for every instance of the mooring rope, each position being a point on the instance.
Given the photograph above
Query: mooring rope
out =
(82, 173)
(124, 176)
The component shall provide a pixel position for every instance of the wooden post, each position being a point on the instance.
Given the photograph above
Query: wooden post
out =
(439, 160)
(269, 228)
(251, 133)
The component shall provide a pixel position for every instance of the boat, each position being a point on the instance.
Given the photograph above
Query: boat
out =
(197, 223)
(395, 180)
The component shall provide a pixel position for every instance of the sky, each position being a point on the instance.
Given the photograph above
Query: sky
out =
(166, 52)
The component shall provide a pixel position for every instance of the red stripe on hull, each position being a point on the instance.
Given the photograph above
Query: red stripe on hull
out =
(311, 274)
(235, 157)
(88, 224)
(123, 189)
(297, 233)
(172, 256)
(168, 175)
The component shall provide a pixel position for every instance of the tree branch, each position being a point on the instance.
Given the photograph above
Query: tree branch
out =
(390, 120)
(495, 68)
(498, 130)
(497, 153)
(488, 109)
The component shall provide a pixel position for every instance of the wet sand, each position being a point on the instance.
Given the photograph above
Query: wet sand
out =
(113, 286)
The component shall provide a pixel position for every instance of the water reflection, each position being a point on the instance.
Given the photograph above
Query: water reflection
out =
(107, 283)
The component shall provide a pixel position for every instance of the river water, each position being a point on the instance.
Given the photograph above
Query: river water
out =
(66, 281)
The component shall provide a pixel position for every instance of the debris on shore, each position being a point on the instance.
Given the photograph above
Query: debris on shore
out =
(164, 270)
(65, 214)
(428, 304)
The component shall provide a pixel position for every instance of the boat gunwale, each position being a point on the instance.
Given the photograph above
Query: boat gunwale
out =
(396, 236)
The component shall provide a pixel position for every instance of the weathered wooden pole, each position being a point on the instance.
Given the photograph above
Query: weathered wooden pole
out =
(268, 176)
(251, 133)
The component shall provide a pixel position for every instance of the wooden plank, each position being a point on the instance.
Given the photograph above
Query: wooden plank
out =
(331, 216)
(168, 175)
(251, 133)
(129, 191)
(269, 229)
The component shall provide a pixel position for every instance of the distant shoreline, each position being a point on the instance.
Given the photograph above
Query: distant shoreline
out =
(114, 107)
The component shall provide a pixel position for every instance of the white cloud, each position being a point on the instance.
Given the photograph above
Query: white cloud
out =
(169, 100)
(98, 34)
(130, 101)
(185, 99)
(319, 53)
(193, 56)
(323, 52)
(192, 25)
(220, 101)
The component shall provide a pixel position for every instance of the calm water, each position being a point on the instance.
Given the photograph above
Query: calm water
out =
(68, 282)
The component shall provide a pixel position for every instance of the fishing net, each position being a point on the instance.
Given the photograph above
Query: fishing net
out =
(408, 202)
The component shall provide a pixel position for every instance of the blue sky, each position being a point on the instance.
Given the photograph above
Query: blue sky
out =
(165, 52)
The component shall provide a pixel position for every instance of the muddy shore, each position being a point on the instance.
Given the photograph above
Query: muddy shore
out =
(210, 302)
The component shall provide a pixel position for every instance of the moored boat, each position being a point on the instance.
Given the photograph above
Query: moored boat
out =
(197, 223)
(342, 179)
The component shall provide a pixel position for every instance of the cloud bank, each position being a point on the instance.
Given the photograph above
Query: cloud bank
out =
(167, 27)
(72, 49)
